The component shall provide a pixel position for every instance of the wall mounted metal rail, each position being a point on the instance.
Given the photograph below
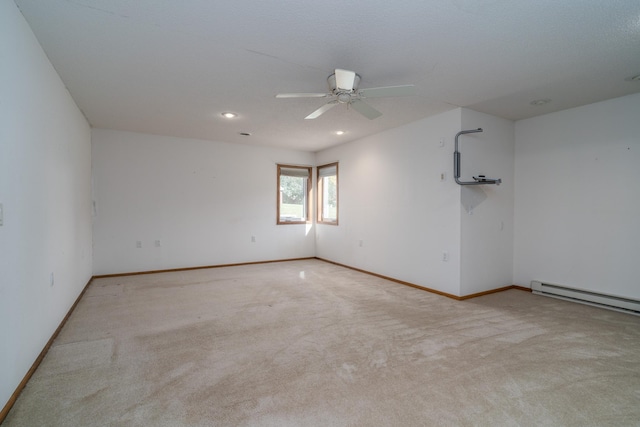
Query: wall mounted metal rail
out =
(477, 180)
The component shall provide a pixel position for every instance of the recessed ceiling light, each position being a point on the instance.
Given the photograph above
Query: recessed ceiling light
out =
(229, 115)
(540, 102)
(340, 132)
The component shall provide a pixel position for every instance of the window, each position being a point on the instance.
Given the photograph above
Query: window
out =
(328, 194)
(294, 185)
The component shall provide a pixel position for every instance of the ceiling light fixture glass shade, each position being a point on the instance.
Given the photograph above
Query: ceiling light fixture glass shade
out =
(229, 115)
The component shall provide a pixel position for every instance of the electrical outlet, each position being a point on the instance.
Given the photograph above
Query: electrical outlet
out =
(138, 244)
(443, 176)
(445, 256)
(253, 239)
(157, 243)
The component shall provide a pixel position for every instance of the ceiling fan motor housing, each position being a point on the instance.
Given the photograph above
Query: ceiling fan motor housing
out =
(334, 89)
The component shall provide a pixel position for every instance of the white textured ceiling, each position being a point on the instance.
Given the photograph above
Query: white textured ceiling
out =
(171, 67)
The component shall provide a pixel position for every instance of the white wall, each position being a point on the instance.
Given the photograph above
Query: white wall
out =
(486, 210)
(202, 200)
(577, 204)
(45, 174)
(391, 199)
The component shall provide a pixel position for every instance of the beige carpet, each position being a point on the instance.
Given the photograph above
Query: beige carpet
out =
(308, 343)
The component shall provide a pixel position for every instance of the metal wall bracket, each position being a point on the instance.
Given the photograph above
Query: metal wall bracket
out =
(477, 180)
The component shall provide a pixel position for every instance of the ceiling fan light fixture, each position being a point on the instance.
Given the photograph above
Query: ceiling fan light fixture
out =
(343, 88)
(344, 98)
(229, 115)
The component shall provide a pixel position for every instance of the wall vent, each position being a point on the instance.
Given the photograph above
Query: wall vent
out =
(611, 302)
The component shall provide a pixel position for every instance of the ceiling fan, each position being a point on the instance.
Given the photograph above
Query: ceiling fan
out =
(343, 87)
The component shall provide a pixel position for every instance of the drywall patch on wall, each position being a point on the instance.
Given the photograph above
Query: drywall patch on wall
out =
(471, 197)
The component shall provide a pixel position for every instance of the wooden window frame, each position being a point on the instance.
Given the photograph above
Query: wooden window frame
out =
(320, 192)
(307, 219)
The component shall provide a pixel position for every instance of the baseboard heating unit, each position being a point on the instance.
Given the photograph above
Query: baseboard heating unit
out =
(625, 305)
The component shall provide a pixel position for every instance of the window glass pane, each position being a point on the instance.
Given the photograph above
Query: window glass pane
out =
(328, 194)
(293, 191)
(294, 184)
(329, 198)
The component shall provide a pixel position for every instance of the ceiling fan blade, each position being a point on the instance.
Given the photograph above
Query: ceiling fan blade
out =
(365, 109)
(345, 79)
(302, 95)
(379, 92)
(320, 111)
